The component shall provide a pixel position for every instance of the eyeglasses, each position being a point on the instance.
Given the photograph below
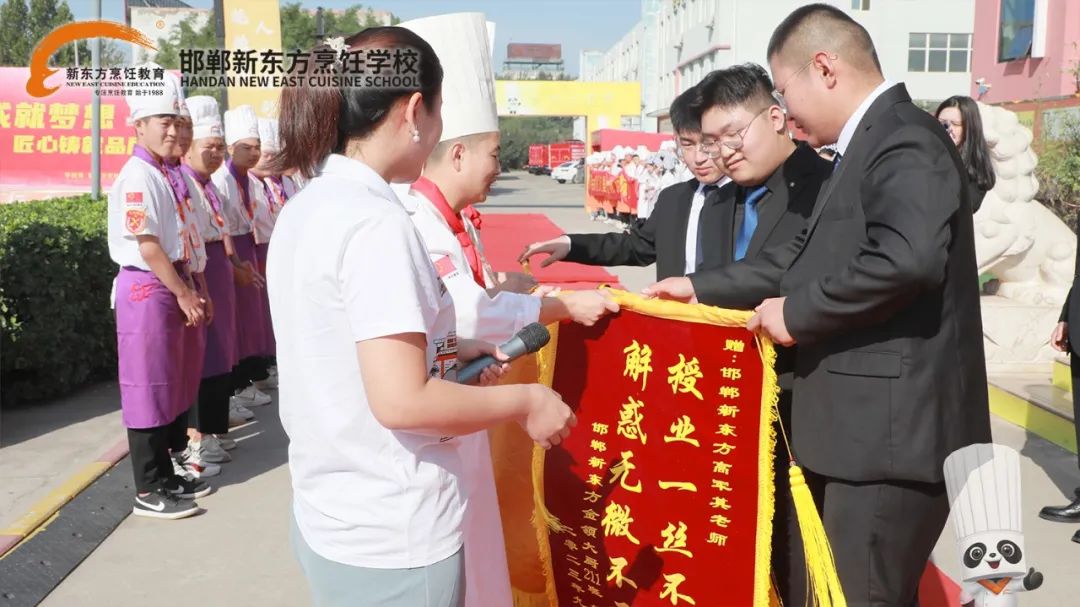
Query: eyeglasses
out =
(712, 148)
(778, 92)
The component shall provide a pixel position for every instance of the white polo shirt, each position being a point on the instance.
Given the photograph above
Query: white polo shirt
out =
(347, 265)
(141, 203)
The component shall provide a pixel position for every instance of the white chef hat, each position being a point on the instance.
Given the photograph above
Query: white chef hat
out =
(667, 145)
(269, 140)
(468, 90)
(205, 117)
(642, 151)
(983, 483)
(241, 123)
(169, 103)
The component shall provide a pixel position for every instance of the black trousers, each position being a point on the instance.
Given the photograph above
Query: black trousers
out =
(1074, 364)
(149, 450)
(210, 415)
(882, 534)
(788, 564)
(251, 369)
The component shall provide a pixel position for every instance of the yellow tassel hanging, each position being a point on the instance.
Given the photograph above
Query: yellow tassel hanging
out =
(820, 567)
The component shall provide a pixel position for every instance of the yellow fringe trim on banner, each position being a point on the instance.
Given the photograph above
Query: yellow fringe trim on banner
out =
(543, 520)
(820, 566)
(530, 599)
(770, 414)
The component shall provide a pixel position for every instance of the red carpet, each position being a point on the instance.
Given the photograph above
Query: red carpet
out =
(937, 589)
(505, 237)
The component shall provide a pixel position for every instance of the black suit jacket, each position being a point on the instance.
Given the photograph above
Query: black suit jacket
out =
(1071, 309)
(883, 302)
(782, 215)
(660, 239)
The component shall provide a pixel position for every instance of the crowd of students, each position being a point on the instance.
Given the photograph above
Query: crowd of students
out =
(189, 230)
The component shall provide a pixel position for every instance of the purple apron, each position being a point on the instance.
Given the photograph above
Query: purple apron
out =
(269, 343)
(152, 343)
(250, 323)
(221, 334)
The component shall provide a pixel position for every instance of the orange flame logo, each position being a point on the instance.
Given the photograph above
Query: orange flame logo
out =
(66, 34)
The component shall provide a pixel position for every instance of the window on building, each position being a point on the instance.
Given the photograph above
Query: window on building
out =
(939, 52)
(860, 5)
(1017, 27)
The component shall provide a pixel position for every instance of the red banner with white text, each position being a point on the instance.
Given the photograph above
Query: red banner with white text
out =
(45, 142)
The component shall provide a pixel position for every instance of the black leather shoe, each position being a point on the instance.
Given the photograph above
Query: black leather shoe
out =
(1076, 537)
(1062, 514)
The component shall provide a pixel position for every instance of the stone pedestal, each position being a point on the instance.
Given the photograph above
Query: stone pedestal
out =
(1017, 335)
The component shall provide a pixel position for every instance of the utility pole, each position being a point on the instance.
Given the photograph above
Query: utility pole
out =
(95, 111)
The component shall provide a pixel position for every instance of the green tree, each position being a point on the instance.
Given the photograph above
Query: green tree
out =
(14, 42)
(519, 132)
(21, 28)
(1058, 170)
(297, 27)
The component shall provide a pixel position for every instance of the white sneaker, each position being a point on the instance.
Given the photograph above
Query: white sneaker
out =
(188, 465)
(251, 397)
(235, 419)
(270, 383)
(235, 408)
(227, 444)
(209, 450)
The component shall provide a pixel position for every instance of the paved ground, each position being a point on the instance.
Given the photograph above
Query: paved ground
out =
(237, 553)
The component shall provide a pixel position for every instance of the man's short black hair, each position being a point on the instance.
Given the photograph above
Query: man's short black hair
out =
(747, 85)
(684, 116)
(817, 27)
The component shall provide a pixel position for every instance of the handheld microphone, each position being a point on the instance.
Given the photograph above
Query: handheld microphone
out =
(529, 339)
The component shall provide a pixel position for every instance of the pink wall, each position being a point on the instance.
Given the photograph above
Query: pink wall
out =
(1026, 78)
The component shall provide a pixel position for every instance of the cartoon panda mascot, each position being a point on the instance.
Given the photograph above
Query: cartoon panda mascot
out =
(983, 482)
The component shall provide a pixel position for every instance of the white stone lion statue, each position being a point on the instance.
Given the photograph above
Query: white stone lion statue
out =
(1018, 240)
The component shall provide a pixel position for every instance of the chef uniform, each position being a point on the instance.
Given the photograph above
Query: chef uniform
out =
(273, 192)
(211, 413)
(152, 339)
(461, 42)
(240, 206)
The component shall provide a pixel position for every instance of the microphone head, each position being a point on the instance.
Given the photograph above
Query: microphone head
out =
(534, 336)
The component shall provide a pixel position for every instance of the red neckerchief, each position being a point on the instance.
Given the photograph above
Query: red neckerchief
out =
(432, 192)
(470, 213)
(995, 586)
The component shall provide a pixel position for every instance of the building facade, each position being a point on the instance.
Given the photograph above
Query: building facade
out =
(1028, 59)
(923, 43)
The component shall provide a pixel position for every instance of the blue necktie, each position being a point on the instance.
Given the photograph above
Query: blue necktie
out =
(749, 224)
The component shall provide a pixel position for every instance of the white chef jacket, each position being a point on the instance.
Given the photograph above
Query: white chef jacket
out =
(141, 203)
(238, 218)
(492, 319)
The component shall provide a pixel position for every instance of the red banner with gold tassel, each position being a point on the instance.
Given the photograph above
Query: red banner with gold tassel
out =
(663, 494)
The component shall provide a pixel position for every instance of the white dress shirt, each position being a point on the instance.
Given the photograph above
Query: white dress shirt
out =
(853, 122)
(692, 225)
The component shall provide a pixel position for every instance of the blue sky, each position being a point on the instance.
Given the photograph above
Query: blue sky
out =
(576, 24)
